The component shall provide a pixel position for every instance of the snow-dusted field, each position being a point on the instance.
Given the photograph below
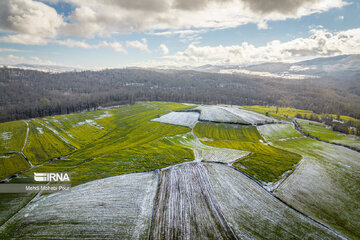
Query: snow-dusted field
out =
(186, 207)
(232, 114)
(217, 114)
(253, 213)
(213, 201)
(187, 119)
(272, 132)
(219, 155)
(352, 141)
(204, 152)
(192, 201)
(326, 185)
(112, 208)
(249, 116)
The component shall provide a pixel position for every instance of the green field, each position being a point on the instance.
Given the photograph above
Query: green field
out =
(42, 144)
(12, 136)
(79, 129)
(12, 163)
(128, 142)
(228, 132)
(279, 114)
(319, 131)
(266, 163)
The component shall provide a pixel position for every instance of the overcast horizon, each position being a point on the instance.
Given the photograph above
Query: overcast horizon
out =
(107, 33)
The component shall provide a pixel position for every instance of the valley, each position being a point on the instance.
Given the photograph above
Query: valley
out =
(160, 170)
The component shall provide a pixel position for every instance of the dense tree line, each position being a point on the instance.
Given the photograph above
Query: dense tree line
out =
(29, 93)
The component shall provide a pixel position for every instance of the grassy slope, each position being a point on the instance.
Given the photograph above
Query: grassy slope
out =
(12, 136)
(291, 112)
(272, 111)
(325, 185)
(321, 132)
(12, 163)
(272, 132)
(119, 207)
(228, 132)
(74, 127)
(266, 163)
(132, 143)
(10, 203)
(41, 147)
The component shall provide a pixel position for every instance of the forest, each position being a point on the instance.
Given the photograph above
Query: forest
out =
(29, 93)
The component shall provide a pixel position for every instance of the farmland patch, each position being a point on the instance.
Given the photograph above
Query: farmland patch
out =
(115, 207)
(12, 136)
(272, 132)
(187, 119)
(254, 213)
(325, 185)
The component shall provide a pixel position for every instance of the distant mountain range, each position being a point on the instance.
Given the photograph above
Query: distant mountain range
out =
(45, 68)
(344, 67)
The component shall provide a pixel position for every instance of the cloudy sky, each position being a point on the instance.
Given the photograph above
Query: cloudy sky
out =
(146, 33)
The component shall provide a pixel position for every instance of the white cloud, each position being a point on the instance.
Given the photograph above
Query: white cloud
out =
(116, 46)
(341, 17)
(13, 50)
(187, 35)
(28, 17)
(72, 43)
(164, 49)
(142, 46)
(34, 22)
(107, 16)
(25, 39)
(320, 43)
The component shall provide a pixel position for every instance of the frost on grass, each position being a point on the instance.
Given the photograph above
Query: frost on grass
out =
(118, 207)
(186, 207)
(204, 152)
(40, 130)
(90, 122)
(217, 114)
(249, 116)
(187, 119)
(325, 185)
(214, 201)
(104, 115)
(253, 213)
(232, 114)
(4, 137)
(54, 131)
(278, 131)
(323, 132)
